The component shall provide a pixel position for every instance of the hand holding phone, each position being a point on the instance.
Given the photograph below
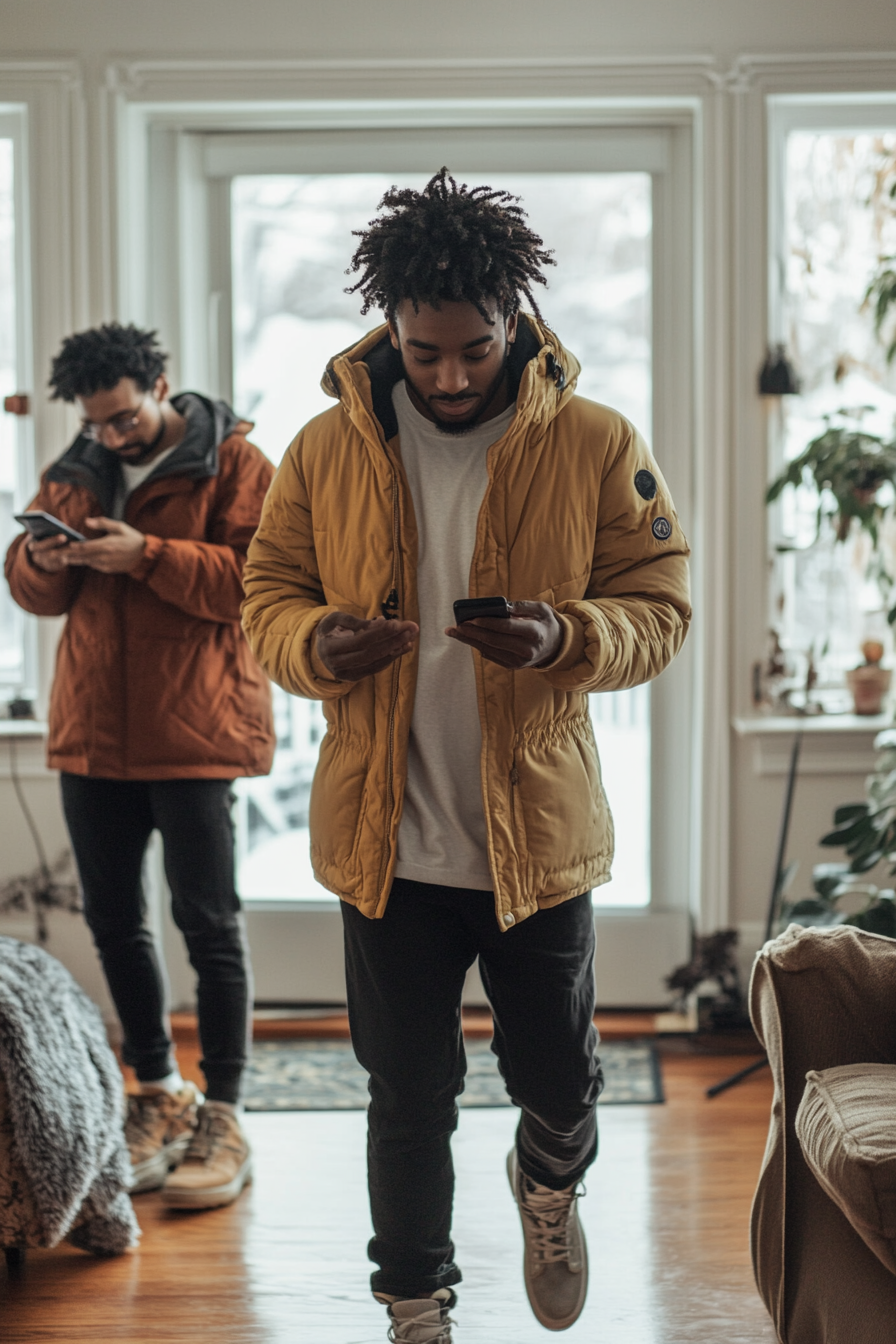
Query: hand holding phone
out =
(41, 525)
(48, 540)
(473, 608)
(525, 634)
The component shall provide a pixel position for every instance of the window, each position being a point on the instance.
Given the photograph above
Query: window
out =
(12, 620)
(834, 222)
(291, 241)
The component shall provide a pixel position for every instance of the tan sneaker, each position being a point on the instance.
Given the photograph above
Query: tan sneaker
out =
(218, 1162)
(555, 1261)
(415, 1321)
(157, 1129)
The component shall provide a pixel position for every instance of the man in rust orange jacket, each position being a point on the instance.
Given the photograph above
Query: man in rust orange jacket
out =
(157, 706)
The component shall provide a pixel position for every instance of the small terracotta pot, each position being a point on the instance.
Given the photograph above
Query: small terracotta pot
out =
(869, 684)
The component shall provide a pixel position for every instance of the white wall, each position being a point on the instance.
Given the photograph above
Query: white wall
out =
(93, 33)
(93, 29)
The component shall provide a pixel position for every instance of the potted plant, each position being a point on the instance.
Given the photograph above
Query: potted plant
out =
(45, 889)
(867, 831)
(869, 682)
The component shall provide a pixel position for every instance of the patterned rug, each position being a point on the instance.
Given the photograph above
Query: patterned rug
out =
(325, 1076)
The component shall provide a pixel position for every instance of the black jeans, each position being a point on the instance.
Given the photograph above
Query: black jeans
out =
(110, 822)
(405, 974)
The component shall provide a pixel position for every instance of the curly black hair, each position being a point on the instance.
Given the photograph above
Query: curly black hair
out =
(99, 358)
(449, 242)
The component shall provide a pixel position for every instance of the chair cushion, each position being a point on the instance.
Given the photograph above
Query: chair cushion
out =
(846, 1126)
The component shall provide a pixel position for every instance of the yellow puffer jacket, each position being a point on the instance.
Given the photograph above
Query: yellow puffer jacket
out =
(576, 513)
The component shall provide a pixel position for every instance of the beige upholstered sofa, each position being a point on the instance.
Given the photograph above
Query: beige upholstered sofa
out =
(823, 1003)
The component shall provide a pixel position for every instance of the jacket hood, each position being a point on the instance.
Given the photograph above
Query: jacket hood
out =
(543, 375)
(87, 463)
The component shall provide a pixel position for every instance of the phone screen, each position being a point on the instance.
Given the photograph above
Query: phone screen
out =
(469, 608)
(42, 525)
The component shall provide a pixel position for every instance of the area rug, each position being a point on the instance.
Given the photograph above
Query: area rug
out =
(325, 1076)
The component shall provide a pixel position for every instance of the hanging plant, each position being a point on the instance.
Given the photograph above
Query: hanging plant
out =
(880, 296)
(852, 466)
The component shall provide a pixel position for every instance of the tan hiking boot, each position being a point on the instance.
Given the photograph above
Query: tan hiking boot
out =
(555, 1261)
(157, 1129)
(218, 1162)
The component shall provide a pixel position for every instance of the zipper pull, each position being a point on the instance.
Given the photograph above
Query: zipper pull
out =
(389, 608)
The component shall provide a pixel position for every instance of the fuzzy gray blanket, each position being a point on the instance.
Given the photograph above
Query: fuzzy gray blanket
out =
(65, 1100)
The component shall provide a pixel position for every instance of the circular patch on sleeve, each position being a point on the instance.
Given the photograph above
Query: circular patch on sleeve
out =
(645, 484)
(662, 529)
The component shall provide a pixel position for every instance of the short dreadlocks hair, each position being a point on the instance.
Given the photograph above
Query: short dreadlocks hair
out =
(98, 359)
(449, 242)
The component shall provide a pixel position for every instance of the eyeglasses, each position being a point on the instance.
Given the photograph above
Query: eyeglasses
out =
(122, 423)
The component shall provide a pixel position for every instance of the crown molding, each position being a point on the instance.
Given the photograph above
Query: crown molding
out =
(67, 74)
(428, 77)
(289, 80)
(811, 72)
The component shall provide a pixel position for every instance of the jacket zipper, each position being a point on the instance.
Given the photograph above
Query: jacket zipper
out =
(390, 611)
(514, 781)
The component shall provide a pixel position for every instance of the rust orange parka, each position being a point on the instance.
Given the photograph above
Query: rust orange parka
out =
(576, 513)
(154, 679)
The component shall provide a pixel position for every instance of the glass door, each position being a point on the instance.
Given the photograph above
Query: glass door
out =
(260, 222)
(291, 239)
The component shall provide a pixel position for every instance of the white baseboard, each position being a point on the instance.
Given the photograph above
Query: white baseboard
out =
(298, 957)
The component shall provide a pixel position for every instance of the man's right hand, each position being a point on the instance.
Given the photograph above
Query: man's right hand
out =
(351, 649)
(48, 554)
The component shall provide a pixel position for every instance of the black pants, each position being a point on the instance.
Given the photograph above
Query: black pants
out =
(405, 974)
(110, 822)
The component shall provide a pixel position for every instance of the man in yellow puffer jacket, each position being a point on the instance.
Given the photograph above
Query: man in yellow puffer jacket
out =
(457, 808)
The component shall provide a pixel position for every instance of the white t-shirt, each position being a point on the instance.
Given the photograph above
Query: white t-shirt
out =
(132, 476)
(442, 838)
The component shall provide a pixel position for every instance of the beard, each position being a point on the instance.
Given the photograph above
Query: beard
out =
(459, 427)
(136, 459)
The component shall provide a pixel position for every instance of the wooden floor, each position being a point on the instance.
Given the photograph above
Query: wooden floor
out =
(666, 1218)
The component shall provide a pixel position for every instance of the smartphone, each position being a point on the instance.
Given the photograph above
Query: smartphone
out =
(42, 525)
(469, 608)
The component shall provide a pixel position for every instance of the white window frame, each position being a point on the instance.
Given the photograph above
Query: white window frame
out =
(173, 253)
(47, 99)
(14, 127)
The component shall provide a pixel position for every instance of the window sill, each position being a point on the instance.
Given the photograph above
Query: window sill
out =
(754, 724)
(833, 744)
(22, 728)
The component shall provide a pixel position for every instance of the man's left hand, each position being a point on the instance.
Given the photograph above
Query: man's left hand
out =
(118, 552)
(529, 637)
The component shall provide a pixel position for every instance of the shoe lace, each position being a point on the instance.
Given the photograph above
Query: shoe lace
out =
(141, 1117)
(549, 1215)
(399, 1332)
(211, 1133)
